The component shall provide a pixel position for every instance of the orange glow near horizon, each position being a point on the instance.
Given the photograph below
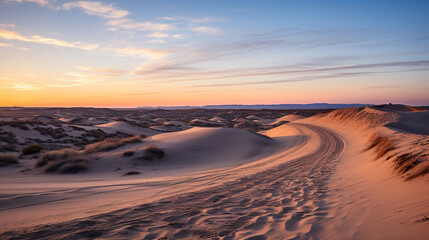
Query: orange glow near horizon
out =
(135, 54)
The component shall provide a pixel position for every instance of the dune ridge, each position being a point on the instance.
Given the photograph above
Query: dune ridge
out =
(338, 175)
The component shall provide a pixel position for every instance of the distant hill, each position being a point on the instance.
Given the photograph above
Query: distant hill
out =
(267, 106)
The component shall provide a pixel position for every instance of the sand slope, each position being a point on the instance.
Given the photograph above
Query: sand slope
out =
(280, 197)
(316, 181)
(125, 127)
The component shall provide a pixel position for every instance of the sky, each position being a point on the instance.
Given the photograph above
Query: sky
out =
(131, 53)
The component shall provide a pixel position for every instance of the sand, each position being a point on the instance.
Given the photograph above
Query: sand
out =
(309, 178)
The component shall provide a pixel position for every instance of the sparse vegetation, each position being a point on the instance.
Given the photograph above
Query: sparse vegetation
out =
(16, 124)
(111, 143)
(55, 133)
(132, 173)
(7, 159)
(8, 148)
(58, 155)
(381, 145)
(409, 165)
(405, 162)
(424, 219)
(152, 152)
(31, 149)
(8, 137)
(128, 153)
(73, 165)
(420, 170)
(250, 126)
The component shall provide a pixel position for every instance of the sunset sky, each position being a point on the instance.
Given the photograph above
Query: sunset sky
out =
(132, 53)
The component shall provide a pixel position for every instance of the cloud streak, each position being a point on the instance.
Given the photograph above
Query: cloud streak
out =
(97, 9)
(140, 52)
(405, 65)
(295, 79)
(205, 30)
(128, 24)
(104, 71)
(12, 35)
(40, 2)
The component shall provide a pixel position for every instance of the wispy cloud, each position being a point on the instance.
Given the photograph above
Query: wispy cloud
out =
(146, 53)
(104, 71)
(7, 25)
(292, 79)
(206, 30)
(6, 45)
(125, 23)
(384, 86)
(192, 20)
(117, 17)
(12, 35)
(97, 9)
(289, 39)
(40, 2)
(140, 52)
(158, 35)
(141, 94)
(405, 66)
(5, 79)
(26, 87)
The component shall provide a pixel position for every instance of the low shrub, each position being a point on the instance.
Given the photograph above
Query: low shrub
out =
(8, 148)
(381, 145)
(58, 155)
(405, 162)
(67, 165)
(132, 173)
(111, 143)
(7, 159)
(152, 152)
(30, 149)
(128, 153)
(55, 133)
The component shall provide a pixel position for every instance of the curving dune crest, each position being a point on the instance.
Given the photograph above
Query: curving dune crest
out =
(125, 127)
(213, 146)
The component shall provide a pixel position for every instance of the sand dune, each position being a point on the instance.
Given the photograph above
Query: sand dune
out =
(248, 186)
(311, 178)
(125, 127)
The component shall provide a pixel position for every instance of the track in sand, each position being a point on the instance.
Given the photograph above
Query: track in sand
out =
(285, 201)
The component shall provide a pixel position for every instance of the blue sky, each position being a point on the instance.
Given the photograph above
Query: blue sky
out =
(133, 53)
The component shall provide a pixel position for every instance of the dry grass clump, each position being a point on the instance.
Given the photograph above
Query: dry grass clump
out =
(7, 159)
(128, 153)
(72, 165)
(405, 162)
(381, 145)
(131, 173)
(412, 164)
(51, 156)
(66, 160)
(30, 149)
(418, 171)
(409, 165)
(111, 143)
(152, 152)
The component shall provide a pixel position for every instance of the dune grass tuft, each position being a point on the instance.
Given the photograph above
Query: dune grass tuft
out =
(111, 143)
(128, 153)
(152, 152)
(58, 155)
(7, 159)
(131, 173)
(409, 165)
(66, 160)
(381, 145)
(30, 149)
(73, 165)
